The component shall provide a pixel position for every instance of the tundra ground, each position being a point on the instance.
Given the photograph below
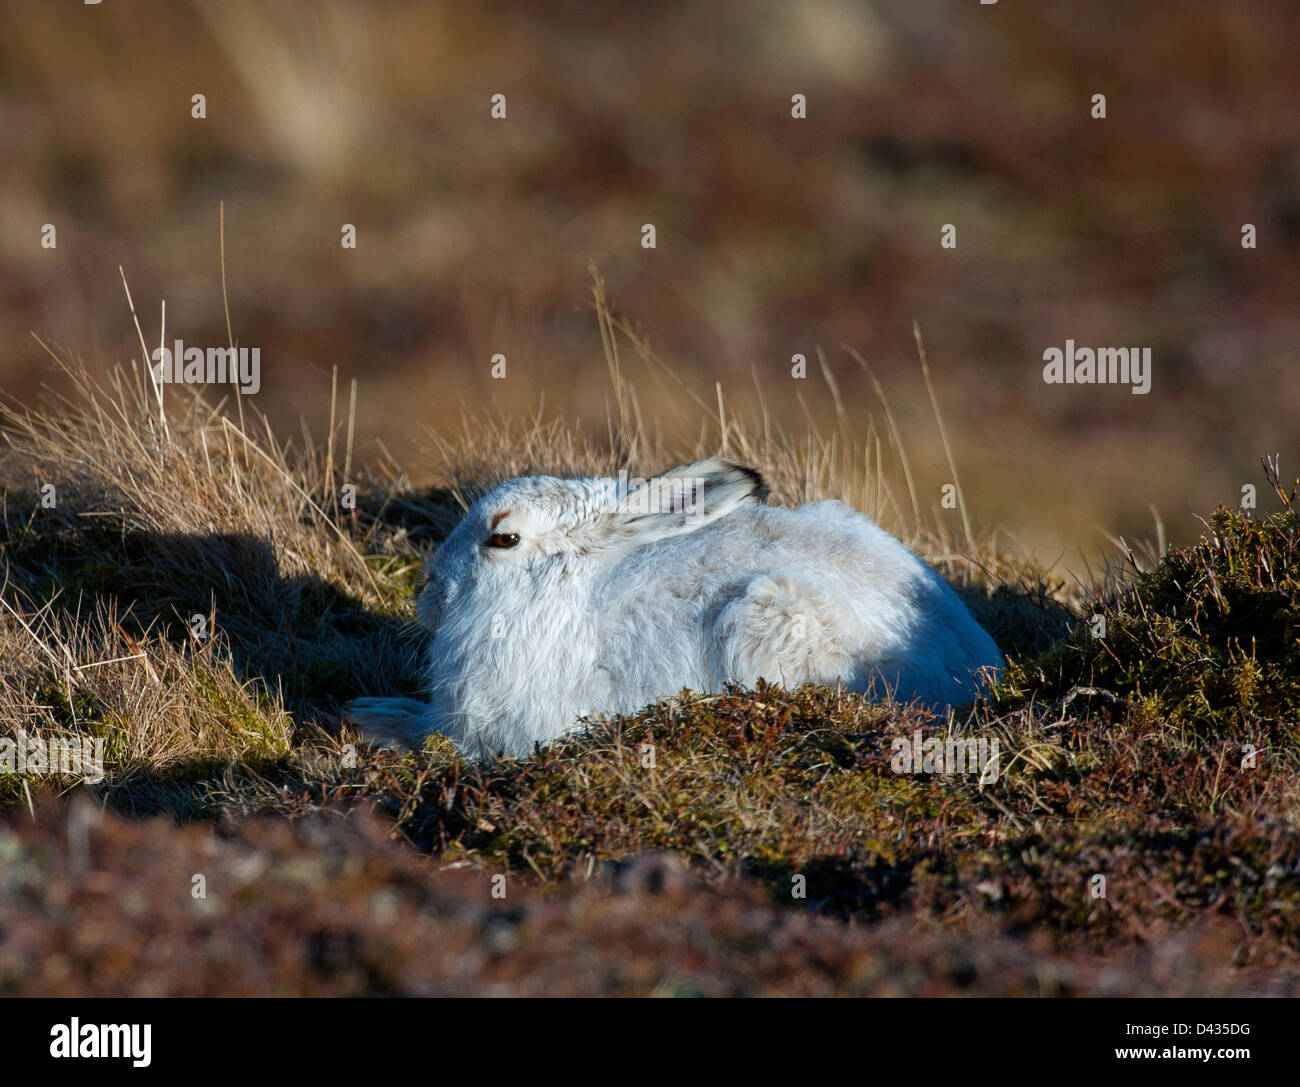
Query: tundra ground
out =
(203, 597)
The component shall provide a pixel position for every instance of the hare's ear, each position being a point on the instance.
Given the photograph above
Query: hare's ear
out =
(685, 499)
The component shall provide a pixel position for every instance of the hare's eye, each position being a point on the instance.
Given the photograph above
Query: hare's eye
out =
(502, 539)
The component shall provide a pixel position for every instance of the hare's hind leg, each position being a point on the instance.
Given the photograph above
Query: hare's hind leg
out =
(786, 627)
(389, 722)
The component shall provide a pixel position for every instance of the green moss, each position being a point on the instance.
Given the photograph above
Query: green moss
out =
(249, 724)
(1191, 638)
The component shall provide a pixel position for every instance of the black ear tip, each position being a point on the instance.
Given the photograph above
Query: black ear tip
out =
(759, 488)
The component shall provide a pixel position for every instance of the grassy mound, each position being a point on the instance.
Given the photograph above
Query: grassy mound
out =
(202, 599)
(1208, 640)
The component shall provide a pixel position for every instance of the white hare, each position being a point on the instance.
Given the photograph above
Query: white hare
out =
(555, 599)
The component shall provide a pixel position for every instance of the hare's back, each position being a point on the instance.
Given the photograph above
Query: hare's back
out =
(829, 540)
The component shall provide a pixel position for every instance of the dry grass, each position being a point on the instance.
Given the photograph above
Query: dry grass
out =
(201, 595)
(193, 570)
(773, 236)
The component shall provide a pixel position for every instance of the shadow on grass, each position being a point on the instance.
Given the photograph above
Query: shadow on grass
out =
(301, 635)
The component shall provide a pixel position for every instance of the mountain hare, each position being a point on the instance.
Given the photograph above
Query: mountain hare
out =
(560, 598)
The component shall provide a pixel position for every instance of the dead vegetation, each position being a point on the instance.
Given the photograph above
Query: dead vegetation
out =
(204, 596)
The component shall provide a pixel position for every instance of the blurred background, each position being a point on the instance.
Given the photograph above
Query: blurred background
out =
(775, 235)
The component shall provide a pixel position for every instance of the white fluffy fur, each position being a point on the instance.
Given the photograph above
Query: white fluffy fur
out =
(612, 600)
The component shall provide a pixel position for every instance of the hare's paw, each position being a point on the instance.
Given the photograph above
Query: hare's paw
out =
(389, 722)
